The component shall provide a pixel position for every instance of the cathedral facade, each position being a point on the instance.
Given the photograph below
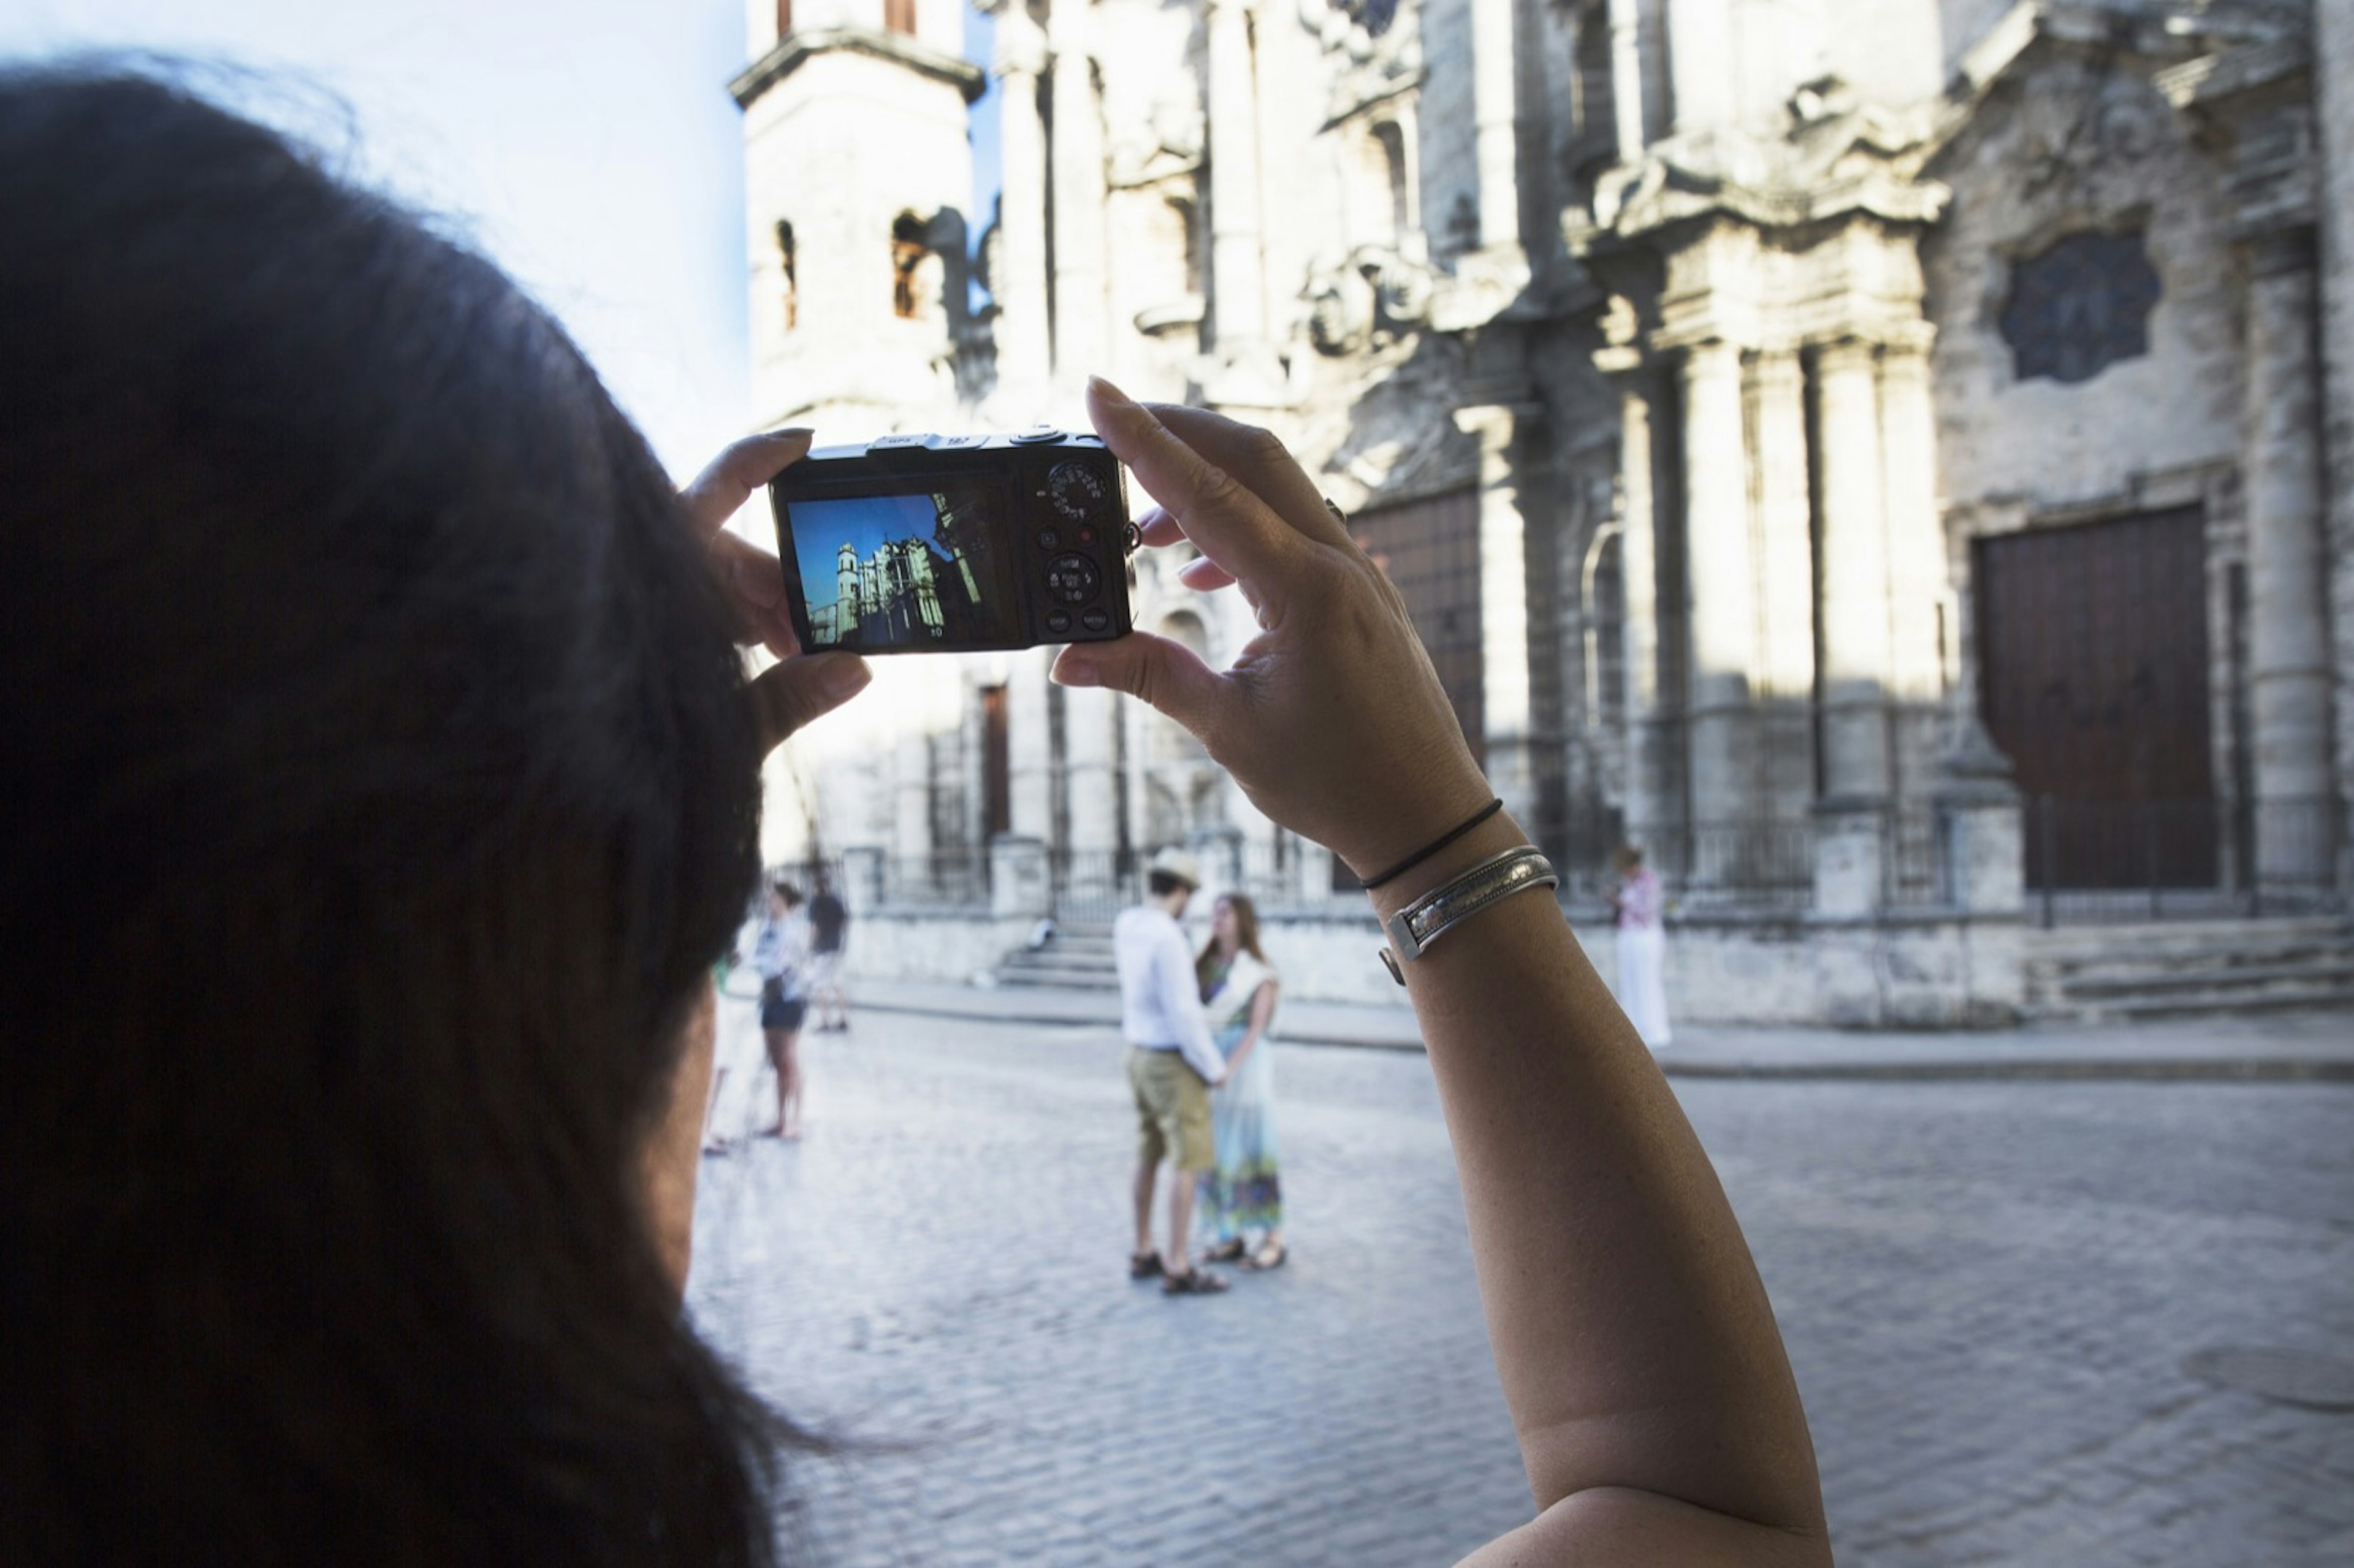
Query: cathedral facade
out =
(1893, 460)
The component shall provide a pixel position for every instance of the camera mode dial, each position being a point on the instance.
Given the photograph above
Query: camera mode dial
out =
(1074, 490)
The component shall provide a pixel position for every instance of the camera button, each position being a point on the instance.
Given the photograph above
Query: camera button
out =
(1058, 620)
(953, 443)
(1037, 435)
(1048, 539)
(1074, 580)
(1096, 621)
(898, 443)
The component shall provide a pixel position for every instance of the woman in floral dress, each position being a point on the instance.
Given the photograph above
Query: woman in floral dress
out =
(1243, 1194)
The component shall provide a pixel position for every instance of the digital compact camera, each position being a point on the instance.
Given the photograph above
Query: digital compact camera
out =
(937, 544)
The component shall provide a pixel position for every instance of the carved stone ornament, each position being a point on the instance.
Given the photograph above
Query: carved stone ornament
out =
(1370, 300)
(2080, 306)
(1376, 47)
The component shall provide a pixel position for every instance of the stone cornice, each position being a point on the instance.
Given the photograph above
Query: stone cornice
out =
(803, 44)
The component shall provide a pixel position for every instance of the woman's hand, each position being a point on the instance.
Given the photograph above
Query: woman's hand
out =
(797, 689)
(1332, 718)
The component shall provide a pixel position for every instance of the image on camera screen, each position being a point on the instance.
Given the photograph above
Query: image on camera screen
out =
(903, 571)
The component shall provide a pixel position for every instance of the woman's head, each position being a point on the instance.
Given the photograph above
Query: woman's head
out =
(384, 787)
(784, 898)
(1627, 859)
(1234, 926)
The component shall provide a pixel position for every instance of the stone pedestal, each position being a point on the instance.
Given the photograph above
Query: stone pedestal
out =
(1018, 887)
(862, 878)
(1984, 868)
(1848, 845)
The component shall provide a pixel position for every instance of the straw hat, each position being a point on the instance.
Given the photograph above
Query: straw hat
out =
(1174, 861)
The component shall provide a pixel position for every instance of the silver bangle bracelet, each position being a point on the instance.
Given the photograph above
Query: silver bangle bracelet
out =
(1413, 928)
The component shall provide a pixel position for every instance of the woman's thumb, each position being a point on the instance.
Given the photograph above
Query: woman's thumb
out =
(1162, 675)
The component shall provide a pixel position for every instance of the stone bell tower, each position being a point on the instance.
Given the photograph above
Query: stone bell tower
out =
(858, 169)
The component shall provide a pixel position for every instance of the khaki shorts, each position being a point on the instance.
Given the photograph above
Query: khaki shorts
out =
(1173, 1110)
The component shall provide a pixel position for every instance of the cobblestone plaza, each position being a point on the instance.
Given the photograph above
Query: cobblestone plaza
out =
(1999, 1299)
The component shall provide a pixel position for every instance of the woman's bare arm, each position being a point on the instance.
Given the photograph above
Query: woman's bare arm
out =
(1262, 1008)
(1656, 1415)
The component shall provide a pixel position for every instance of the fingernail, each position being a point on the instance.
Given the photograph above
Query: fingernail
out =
(844, 677)
(789, 433)
(1109, 392)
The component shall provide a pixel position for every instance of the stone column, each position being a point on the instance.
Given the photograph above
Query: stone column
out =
(1854, 607)
(1854, 617)
(1019, 285)
(862, 878)
(2288, 635)
(911, 825)
(1029, 746)
(1917, 576)
(1626, 77)
(1785, 583)
(1495, 116)
(1503, 605)
(1082, 336)
(1700, 57)
(1018, 886)
(2333, 77)
(1237, 288)
(1649, 810)
(1088, 715)
(1978, 807)
(1721, 569)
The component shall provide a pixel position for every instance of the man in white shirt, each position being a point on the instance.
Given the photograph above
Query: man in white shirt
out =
(1173, 1064)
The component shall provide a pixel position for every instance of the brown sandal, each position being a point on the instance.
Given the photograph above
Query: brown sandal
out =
(1144, 1266)
(1193, 1282)
(1227, 1252)
(1270, 1255)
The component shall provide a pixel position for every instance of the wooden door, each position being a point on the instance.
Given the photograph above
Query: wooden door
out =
(2093, 670)
(996, 765)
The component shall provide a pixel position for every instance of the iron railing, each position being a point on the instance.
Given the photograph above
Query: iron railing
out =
(2160, 860)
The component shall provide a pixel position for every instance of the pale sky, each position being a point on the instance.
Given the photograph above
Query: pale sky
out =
(588, 147)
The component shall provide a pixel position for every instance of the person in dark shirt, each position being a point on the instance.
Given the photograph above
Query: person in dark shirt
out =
(829, 936)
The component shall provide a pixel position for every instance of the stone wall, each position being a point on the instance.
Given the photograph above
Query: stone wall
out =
(2068, 147)
(1933, 972)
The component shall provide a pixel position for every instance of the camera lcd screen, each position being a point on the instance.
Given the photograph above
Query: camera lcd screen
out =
(922, 569)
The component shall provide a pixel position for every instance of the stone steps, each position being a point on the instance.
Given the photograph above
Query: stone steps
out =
(2091, 973)
(1078, 959)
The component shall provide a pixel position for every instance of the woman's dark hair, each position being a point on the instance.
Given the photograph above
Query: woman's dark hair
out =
(380, 785)
(1245, 932)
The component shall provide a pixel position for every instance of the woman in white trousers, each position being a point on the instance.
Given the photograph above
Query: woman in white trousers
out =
(1642, 947)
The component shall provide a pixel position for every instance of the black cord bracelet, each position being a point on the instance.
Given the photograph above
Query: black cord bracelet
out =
(1423, 854)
